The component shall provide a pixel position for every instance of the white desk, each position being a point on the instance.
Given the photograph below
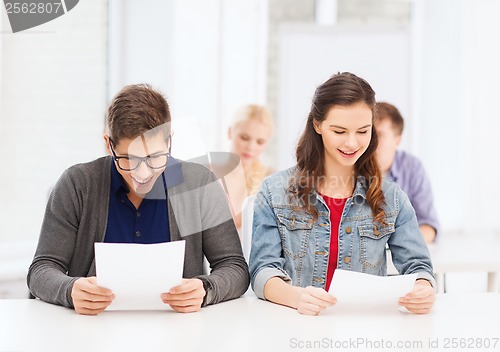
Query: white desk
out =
(249, 324)
(466, 254)
(462, 253)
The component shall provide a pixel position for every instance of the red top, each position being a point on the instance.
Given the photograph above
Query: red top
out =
(336, 207)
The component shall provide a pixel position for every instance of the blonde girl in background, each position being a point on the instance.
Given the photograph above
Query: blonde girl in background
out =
(250, 130)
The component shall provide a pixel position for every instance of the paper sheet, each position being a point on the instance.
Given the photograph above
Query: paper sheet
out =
(139, 273)
(355, 290)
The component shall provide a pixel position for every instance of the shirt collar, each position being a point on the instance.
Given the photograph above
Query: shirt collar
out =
(360, 189)
(117, 182)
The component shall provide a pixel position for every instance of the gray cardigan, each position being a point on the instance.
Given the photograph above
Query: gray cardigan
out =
(76, 217)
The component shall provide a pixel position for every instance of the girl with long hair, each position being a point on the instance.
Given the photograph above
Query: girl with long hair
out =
(333, 210)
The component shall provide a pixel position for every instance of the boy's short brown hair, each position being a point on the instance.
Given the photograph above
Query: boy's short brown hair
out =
(136, 109)
(390, 112)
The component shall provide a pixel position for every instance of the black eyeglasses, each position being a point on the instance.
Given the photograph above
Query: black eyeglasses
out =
(129, 163)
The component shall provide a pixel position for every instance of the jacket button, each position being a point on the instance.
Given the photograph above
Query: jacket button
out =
(347, 260)
(138, 234)
(348, 229)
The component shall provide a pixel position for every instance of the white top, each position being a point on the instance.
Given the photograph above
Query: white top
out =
(249, 324)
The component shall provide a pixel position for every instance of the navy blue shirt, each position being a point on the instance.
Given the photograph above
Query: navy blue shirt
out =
(126, 224)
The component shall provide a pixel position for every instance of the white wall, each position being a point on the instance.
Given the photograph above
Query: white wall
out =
(139, 44)
(481, 114)
(53, 86)
(460, 116)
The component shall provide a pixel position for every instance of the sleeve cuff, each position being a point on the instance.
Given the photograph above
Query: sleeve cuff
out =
(209, 290)
(263, 276)
(428, 277)
(432, 223)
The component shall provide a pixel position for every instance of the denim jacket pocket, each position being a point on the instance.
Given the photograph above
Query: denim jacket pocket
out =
(295, 230)
(373, 239)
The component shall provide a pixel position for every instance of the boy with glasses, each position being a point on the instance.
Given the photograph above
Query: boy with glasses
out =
(137, 194)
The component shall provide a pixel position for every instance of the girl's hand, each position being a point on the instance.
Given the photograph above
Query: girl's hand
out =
(421, 299)
(312, 300)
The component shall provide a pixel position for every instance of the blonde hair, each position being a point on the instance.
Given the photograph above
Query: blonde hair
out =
(253, 112)
(259, 113)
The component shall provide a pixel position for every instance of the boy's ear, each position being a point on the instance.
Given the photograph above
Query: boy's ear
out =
(169, 143)
(107, 141)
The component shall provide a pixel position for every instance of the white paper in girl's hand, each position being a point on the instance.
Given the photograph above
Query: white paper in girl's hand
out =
(358, 290)
(139, 273)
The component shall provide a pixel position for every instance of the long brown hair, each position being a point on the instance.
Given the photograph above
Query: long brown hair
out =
(342, 89)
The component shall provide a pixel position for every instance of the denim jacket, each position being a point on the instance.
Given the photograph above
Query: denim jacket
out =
(286, 242)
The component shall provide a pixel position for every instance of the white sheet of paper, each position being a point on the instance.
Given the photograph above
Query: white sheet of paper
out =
(358, 290)
(139, 273)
